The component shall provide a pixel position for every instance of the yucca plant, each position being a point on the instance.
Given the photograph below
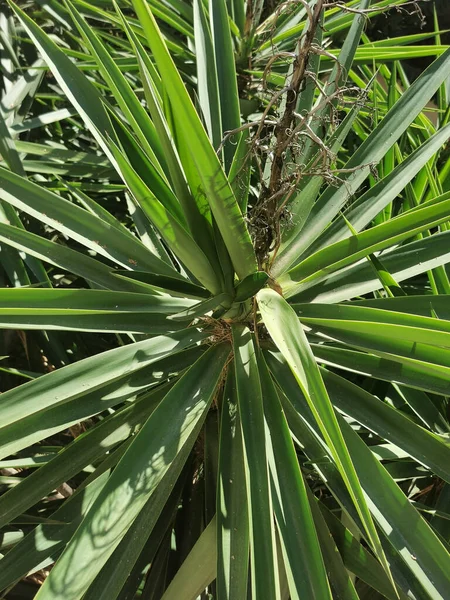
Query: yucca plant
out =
(250, 208)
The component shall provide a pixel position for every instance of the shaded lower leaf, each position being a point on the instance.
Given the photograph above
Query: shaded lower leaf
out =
(264, 572)
(233, 551)
(136, 478)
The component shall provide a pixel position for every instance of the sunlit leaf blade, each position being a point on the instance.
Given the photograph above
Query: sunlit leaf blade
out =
(88, 310)
(367, 320)
(374, 147)
(413, 538)
(340, 254)
(67, 258)
(382, 368)
(8, 149)
(403, 262)
(240, 170)
(390, 424)
(43, 545)
(425, 408)
(274, 449)
(80, 91)
(400, 346)
(196, 209)
(220, 302)
(208, 88)
(226, 74)
(338, 75)
(404, 530)
(302, 203)
(356, 558)
(214, 182)
(120, 578)
(85, 449)
(78, 224)
(304, 564)
(340, 579)
(58, 387)
(429, 305)
(62, 415)
(168, 226)
(288, 335)
(126, 99)
(176, 286)
(367, 206)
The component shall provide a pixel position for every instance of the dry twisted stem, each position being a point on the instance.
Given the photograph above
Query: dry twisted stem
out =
(298, 75)
(278, 146)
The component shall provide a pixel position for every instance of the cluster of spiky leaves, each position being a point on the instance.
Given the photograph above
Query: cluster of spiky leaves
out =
(226, 226)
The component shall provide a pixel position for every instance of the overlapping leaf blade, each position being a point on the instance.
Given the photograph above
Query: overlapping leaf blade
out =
(288, 335)
(136, 477)
(214, 183)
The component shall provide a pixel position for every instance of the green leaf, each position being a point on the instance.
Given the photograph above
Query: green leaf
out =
(303, 559)
(78, 224)
(214, 182)
(425, 556)
(53, 116)
(207, 86)
(264, 572)
(428, 449)
(287, 333)
(375, 146)
(60, 416)
(176, 286)
(203, 308)
(8, 150)
(403, 263)
(232, 512)
(142, 540)
(302, 202)
(23, 406)
(427, 410)
(426, 305)
(84, 450)
(366, 207)
(382, 368)
(176, 236)
(240, 170)
(43, 544)
(136, 477)
(339, 74)
(401, 345)
(249, 286)
(81, 92)
(339, 577)
(341, 254)
(23, 89)
(124, 95)
(408, 537)
(226, 74)
(142, 165)
(199, 568)
(356, 558)
(368, 320)
(196, 210)
(66, 258)
(88, 310)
